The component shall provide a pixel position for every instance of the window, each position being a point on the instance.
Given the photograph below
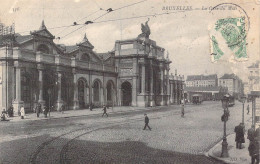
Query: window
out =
(43, 48)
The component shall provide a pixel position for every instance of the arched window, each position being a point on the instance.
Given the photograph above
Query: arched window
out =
(96, 91)
(43, 48)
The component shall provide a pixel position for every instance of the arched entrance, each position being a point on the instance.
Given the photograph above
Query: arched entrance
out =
(49, 88)
(126, 88)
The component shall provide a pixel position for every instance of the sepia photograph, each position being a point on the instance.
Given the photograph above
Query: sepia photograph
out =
(129, 81)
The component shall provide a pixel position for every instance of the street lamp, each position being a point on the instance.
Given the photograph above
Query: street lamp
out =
(243, 99)
(224, 118)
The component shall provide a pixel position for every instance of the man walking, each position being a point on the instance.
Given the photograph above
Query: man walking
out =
(38, 110)
(251, 133)
(239, 130)
(254, 151)
(146, 121)
(248, 109)
(105, 111)
(22, 112)
(182, 110)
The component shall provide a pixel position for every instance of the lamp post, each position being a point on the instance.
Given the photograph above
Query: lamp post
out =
(224, 118)
(243, 99)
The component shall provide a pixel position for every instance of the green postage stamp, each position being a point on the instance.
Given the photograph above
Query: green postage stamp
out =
(228, 39)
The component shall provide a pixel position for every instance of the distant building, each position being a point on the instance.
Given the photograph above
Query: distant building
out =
(202, 80)
(254, 76)
(208, 93)
(233, 83)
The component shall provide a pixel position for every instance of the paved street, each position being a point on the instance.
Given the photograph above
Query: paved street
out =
(120, 138)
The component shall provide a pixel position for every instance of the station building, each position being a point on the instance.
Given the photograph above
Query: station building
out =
(36, 70)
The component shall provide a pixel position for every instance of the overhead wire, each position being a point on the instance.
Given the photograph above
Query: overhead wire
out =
(108, 11)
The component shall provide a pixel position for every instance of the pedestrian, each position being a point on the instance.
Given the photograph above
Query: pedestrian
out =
(10, 111)
(251, 133)
(146, 121)
(38, 110)
(22, 112)
(90, 107)
(62, 108)
(51, 109)
(248, 109)
(182, 110)
(45, 111)
(254, 151)
(239, 130)
(105, 111)
(257, 132)
(3, 116)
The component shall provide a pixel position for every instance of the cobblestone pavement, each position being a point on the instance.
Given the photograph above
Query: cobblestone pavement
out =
(120, 138)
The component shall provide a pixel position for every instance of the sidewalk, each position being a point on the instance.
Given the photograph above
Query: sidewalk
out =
(77, 113)
(240, 156)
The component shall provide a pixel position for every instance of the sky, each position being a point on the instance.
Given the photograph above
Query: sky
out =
(184, 33)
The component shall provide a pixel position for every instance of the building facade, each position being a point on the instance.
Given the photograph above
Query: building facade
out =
(233, 83)
(36, 70)
(254, 77)
(202, 80)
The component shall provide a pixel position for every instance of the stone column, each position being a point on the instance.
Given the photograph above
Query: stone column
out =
(171, 93)
(18, 102)
(162, 87)
(142, 95)
(152, 103)
(59, 100)
(102, 92)
(134, 87)
(143, 79)
(168, 87)
(75, 96)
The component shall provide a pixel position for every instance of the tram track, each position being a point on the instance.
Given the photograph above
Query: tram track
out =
(62, 145)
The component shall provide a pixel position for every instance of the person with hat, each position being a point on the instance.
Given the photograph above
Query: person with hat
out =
(22, 112)
(146, 121)
(105, 111)
(254, 151)
(251, 133)
(239, 130)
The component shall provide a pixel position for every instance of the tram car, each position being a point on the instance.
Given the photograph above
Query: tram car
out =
(197, 99)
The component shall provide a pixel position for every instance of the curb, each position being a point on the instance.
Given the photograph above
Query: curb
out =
(211, 155)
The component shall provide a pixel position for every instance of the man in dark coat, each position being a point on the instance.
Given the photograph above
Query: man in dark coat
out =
(254, 151)
(146, 121)
(239, 135)
(10, 111)
(38, 110)
(251, 133)
(105, 111)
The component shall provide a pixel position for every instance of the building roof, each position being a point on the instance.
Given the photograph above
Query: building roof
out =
(202, 77)
(254, 65)
(70, 48)
(104, 56)
(22, 38)
(229, 76)
(200, 88)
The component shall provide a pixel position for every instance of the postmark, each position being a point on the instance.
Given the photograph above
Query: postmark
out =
(228, 37)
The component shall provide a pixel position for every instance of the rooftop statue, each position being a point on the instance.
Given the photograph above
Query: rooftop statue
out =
(145, 30)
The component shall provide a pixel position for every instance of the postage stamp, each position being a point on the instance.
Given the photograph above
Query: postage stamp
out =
(232, 31)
